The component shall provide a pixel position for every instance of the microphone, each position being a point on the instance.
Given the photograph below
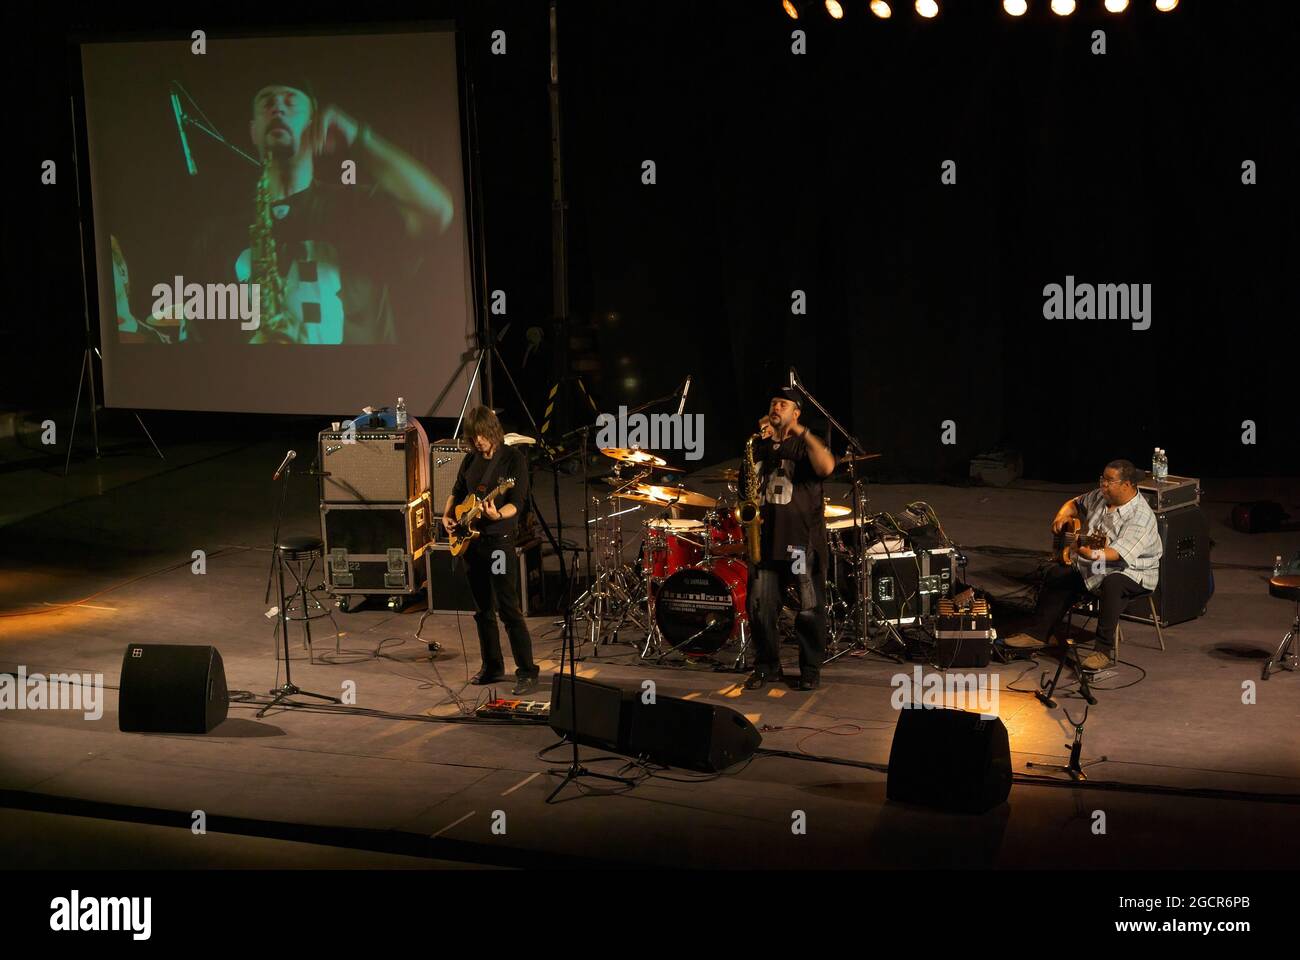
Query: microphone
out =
(794, 378)
(180, 129)
(284, 464)
(686, 388)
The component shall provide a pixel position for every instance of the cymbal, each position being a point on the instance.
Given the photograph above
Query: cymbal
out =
(651, 493)
(859, 457)
(633, 455)
(833, 510)
(512, 439)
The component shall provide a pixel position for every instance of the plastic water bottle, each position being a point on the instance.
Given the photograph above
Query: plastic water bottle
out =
(1277, 565)
(401, 413)
(1159, 465)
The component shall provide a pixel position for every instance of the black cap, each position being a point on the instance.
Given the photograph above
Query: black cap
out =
(787, 392)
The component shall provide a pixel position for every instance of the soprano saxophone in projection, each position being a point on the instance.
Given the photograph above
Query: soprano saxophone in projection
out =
(747, 511)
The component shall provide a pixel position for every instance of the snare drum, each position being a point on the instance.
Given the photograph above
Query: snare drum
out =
(671, 544)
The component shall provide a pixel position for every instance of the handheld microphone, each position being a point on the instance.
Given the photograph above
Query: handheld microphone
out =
(283, 464)
(686, 388)
(794, 378)
(180, 129)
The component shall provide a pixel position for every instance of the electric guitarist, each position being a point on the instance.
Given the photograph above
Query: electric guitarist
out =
(1115, 557)
(489, 558)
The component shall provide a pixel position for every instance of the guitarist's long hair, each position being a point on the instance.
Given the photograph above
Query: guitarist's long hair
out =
(482, 422)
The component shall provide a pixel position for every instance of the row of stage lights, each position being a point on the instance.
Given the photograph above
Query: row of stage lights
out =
(930, 8)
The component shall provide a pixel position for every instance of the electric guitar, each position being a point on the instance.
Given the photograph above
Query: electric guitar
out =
(1071, 538)
(467, 512)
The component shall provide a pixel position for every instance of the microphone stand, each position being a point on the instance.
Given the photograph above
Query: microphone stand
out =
(854, 446)
(275, 536)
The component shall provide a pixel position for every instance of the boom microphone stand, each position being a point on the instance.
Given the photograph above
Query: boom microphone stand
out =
(854, 447)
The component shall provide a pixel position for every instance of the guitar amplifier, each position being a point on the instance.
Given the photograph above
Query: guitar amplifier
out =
(1170, 493)
(1186, 582)
(445, 458)
(374, 548)
(369, 466)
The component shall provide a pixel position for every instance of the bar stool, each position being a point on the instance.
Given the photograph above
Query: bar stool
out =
(299, 556)
(1286, 588)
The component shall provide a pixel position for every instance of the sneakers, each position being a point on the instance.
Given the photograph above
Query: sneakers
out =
(756, 680)
(524, 685)
(809, 682)
(1023, 641)
(483, 678)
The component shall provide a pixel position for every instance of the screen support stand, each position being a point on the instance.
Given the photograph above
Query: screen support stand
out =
(90, 352)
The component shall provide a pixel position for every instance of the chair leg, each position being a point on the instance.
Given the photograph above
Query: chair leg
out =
(1155, 618)
(1119, 638)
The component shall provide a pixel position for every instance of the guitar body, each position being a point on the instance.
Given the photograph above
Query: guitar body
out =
(466, 513)
(1071, 538)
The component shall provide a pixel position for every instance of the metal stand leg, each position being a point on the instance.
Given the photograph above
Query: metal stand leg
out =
(1287, 655)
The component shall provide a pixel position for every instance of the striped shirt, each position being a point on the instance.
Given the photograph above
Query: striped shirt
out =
(1130, 531)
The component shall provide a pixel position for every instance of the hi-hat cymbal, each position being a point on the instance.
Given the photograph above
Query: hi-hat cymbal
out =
(652, 493)
(833, 510)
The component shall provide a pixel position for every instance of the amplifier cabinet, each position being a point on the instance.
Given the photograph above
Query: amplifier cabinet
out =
(449, 584)
(1186, 582)
(445, 458)
(375, 548)
(1170, 493)
(369, 466)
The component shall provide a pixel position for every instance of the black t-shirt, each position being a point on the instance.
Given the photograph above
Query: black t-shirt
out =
(791, 496)
(479, 476)
(344, 254)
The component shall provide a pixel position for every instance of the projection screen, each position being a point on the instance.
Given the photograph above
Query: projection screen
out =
(279, 222)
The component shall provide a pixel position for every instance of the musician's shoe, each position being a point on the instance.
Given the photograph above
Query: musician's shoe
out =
(1097, 660)
(524, 685)
(809, 682)
(483, 678)
(758, 679)
(1023, 641)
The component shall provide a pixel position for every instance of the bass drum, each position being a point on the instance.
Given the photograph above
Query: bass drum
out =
(702, 607)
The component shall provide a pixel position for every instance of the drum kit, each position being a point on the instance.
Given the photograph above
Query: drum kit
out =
(685, 592)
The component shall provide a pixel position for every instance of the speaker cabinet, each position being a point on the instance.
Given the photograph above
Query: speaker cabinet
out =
(448, 582)
(949, 759)
(171, 688)
(370, 466)
(1186, 583)
(596, 714)
(707, 737)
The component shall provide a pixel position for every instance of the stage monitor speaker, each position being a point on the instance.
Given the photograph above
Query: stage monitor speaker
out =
(370, 466)
(950, 759)
(171, 688)
(599, 715)
(1186, 583)
(706, 737)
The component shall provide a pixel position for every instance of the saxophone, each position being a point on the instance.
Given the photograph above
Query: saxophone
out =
(277, 324)
(747, 511)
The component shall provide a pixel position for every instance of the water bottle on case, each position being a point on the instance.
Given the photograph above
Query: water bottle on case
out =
(401, 413)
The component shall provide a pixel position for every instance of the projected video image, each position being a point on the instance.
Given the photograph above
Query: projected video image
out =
(290, 191)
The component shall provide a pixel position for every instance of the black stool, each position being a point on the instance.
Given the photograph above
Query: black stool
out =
(291, 553)
(1286, 588)
(299, 555)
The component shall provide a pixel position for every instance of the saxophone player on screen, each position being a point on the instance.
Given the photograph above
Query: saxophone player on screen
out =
(789, 463)
(325, 252)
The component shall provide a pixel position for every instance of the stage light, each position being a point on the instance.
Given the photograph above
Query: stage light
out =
(881, 9)
(1062, 8)
(1015, 8)
(1164, 6)
(927, 8)
(791, 9)
(834, 9)
(1116, 6)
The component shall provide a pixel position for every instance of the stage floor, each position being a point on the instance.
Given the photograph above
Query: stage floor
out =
(1194, 776)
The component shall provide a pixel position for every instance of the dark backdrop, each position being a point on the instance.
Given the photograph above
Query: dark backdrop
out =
(821, 173)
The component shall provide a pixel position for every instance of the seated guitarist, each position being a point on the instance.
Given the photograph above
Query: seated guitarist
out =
(490, 558)
(1128, 566)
